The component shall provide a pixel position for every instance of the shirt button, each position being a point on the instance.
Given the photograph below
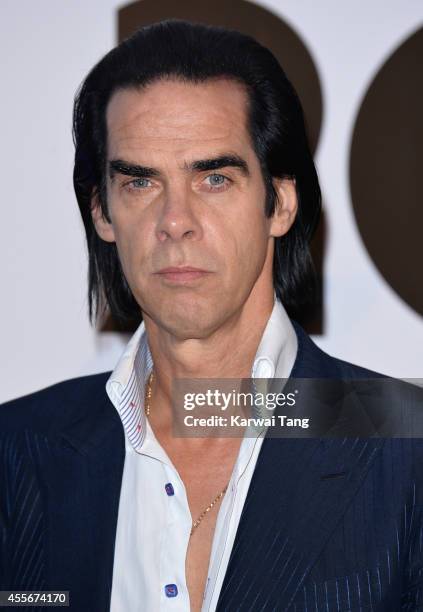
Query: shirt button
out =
(169, 489)
(171, 590)
(263, 368)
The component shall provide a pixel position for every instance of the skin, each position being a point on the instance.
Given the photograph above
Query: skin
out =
(183, 215)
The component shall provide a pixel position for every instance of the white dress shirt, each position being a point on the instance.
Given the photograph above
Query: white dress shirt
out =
(154, 520)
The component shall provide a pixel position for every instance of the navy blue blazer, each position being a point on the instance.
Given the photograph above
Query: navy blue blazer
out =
(328, 524)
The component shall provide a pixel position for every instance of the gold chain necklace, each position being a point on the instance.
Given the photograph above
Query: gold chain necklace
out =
(203, 514)
(218, 497)
(148, 394)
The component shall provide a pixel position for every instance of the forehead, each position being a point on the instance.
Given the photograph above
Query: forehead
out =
(179, 118)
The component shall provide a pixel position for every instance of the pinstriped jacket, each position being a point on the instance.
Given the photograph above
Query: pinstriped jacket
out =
(329, 525)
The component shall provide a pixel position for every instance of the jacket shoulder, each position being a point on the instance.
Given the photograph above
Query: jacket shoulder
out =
(313, 362)
(57, 403)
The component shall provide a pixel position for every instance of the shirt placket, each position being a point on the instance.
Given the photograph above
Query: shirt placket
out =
(176, 528)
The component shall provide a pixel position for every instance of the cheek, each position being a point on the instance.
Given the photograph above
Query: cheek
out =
(131, 250)
(244, 246)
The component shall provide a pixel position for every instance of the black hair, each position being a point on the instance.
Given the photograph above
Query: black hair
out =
(194, 53)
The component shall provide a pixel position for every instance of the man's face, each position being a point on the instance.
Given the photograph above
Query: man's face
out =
(185, 190)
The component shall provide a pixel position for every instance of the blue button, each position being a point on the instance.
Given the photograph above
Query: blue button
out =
(169, 489)
(171, 590)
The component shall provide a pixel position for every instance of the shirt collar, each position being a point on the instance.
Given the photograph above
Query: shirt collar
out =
(275, 356)
(126, 386)
(277, 350)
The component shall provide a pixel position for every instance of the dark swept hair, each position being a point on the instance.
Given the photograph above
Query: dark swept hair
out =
(194, 53)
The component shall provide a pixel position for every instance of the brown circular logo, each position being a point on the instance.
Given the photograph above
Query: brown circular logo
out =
(385, 166)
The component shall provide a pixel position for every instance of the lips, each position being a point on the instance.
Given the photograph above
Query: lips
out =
(181, 273)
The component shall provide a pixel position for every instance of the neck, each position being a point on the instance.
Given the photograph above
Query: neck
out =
(228, 352)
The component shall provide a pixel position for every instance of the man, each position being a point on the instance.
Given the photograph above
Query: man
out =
(199, 195)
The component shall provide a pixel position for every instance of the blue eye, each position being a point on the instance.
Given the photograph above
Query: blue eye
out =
(140, 183)
(216, 179)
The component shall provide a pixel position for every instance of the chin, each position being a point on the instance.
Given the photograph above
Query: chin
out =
(189, 317)
(185, 328)
(185, 322)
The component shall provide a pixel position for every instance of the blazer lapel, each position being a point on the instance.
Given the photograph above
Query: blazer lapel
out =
(82, 488)
(299, 491)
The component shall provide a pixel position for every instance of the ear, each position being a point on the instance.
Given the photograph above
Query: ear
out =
(286, 207)
(103, 227)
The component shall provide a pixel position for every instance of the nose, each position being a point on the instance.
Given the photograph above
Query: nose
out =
(178, 219)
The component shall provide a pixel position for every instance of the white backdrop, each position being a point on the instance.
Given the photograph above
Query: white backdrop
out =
(47, 48)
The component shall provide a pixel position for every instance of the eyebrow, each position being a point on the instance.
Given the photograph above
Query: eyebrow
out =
(223, 161)
(119, 166)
